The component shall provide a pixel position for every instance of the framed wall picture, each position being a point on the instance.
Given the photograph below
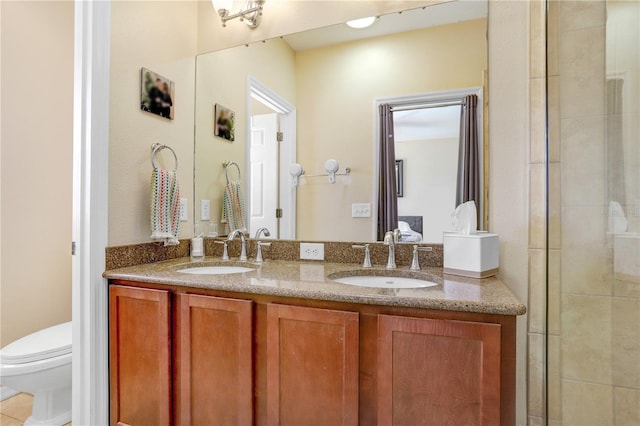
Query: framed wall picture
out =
(400, 177)
(157, 94)
(224, 123)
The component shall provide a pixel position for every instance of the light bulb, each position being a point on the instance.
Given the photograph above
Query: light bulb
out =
(362, 23)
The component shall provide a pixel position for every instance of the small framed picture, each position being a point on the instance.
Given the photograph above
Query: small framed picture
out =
(157, 94)
(224, 123)
(400, 177)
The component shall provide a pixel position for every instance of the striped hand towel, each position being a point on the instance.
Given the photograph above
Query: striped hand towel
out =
(233, 208)
(165, 207)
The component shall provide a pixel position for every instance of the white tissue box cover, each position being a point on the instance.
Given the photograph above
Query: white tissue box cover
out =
(475, 256)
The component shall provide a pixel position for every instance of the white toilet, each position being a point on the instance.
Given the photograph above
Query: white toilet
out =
(40, 364)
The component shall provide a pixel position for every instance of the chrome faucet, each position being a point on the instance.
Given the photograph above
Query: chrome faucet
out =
(266, 233)
(243, 240)
(415, 262)
(367, 255)
(390, 241)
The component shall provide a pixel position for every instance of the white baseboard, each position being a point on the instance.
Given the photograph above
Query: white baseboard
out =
(6, 393)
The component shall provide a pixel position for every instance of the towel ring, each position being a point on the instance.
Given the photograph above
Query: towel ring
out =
(155, 148)
(228, 164)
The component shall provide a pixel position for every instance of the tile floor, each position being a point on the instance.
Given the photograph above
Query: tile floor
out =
(15, 410)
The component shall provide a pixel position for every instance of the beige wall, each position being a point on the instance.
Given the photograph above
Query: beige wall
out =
(430, 179)
(222, 78)
(161, 36)
(340, 84)
(37, 114)
(508, 157)
(287, 17)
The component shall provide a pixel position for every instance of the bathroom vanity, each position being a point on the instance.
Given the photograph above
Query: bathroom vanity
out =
(285, 344)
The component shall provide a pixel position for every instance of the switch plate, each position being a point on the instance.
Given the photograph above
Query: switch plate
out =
(205, 210)
(184, 212)
(311, 251)
(361, 210)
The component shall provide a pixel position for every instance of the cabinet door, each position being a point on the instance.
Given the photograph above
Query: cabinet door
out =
(213, 375)
(312, 366)
(139, 356)
(438, 372)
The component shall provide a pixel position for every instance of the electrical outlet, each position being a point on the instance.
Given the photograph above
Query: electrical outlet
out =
(361, 210)
(311, 251)
(205, 210)
(184, 212)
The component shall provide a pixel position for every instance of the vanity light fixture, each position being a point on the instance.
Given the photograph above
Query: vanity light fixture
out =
(251, 14)
(362, 22)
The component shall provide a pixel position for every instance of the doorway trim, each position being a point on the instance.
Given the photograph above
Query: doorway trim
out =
(428, 97)
(90, 380)
(287, 111)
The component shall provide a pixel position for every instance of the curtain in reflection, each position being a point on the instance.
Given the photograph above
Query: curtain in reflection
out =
(468, 187)
(387, 189)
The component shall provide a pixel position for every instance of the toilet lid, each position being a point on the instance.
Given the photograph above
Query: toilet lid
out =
(47, 343)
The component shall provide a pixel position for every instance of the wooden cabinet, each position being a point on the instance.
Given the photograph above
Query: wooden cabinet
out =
(438, 372)
(213, 361)
(233, 358)
(140, 356)
(312, 366)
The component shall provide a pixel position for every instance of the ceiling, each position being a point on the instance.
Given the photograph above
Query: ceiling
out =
(414, 19)
(427, 124)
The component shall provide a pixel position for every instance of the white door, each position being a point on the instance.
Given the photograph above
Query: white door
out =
(264, 173)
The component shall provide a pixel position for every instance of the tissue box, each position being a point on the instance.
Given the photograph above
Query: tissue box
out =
(475, 256)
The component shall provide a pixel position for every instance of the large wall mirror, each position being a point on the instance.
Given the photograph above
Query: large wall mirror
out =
(399, 105)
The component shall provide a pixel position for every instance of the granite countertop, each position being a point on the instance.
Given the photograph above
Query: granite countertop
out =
(309, 280)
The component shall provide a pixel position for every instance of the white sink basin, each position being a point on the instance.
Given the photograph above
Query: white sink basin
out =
(215, 270)
(385, 282)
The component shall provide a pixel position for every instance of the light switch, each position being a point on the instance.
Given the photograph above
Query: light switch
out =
(205, 210)
(184, 212)
(361, 210)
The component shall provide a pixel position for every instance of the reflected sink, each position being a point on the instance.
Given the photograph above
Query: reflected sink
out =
(215, 270)
(381, 279)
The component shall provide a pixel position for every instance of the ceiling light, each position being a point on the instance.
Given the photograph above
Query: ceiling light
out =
(251, 14)
(362, 23)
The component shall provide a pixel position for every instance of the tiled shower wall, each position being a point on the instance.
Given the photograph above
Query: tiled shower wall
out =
(593, 321)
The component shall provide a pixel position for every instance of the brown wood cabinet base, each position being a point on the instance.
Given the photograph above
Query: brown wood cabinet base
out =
(255, 359)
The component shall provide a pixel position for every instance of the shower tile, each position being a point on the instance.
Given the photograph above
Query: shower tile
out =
(586, 404)
(536, 375)
(553, 92)
(537, 43)
(583, 161)
(554, 206)
(627, 407)
(555, 381)
(554, 326)
(553, 39)
(576, 14)
(587, 263)
(537, 286)
(535, 421)
(625, 330)
(586, 338)
(537, 206)
(582, 75)
(537, 105)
